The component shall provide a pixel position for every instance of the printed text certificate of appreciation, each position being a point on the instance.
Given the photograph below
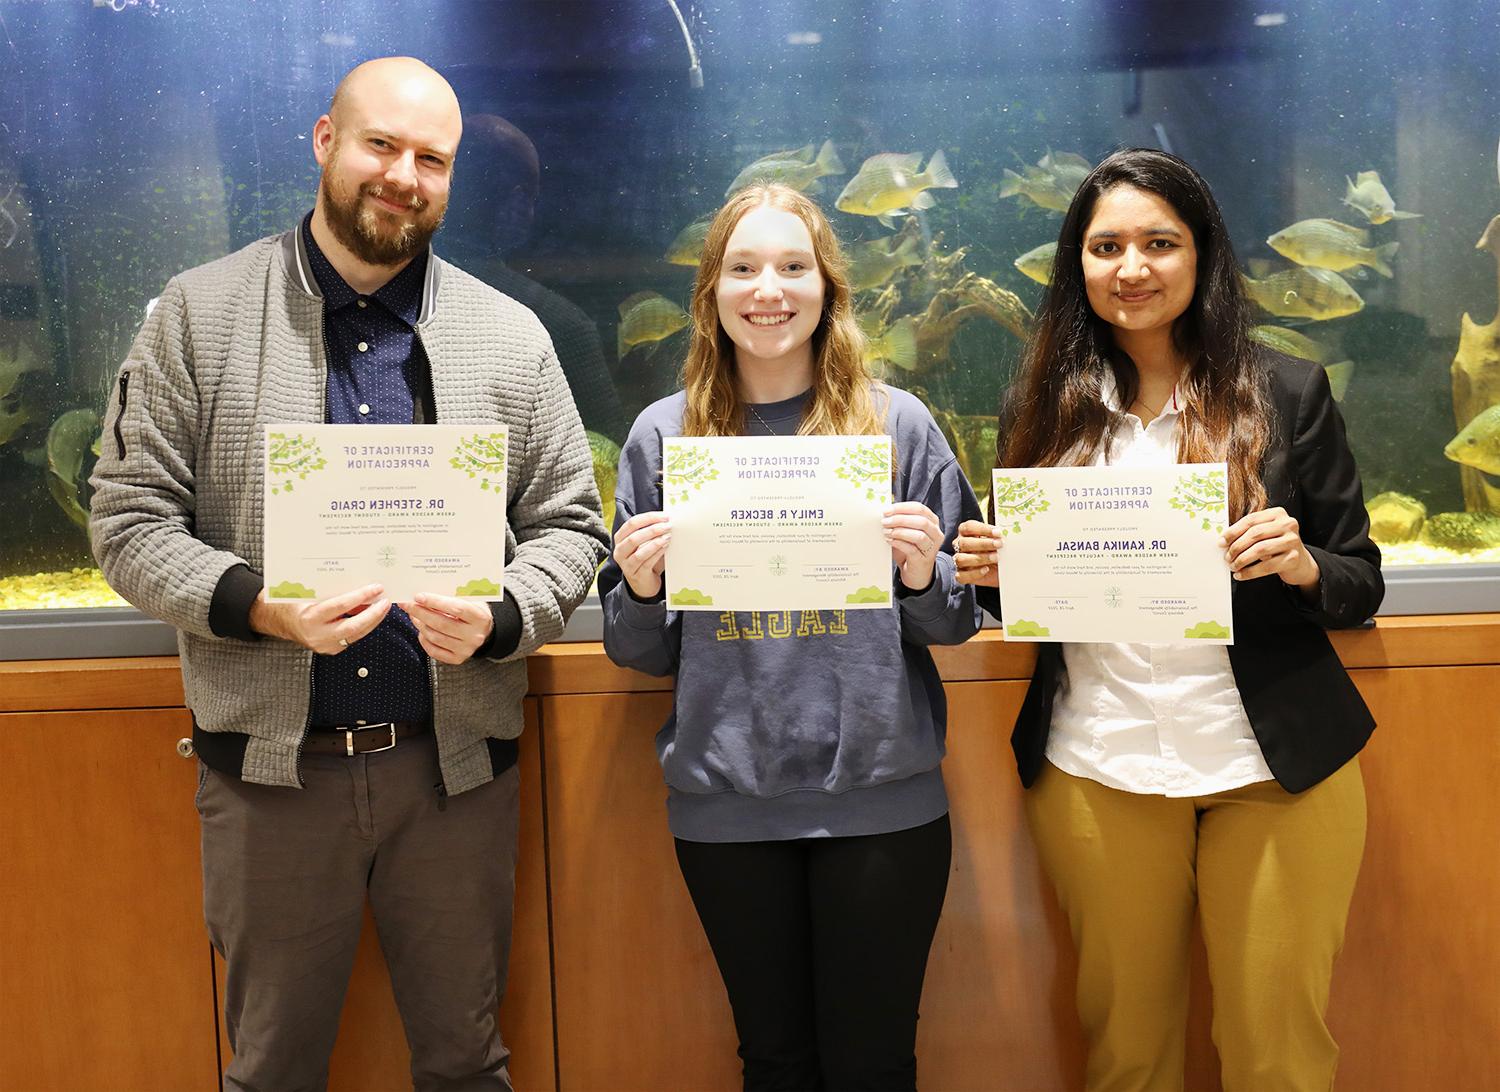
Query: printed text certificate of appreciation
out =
(1114, 553)
(415, 508)
(777, 522)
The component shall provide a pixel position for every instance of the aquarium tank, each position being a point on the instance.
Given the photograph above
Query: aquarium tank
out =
(1352, 147)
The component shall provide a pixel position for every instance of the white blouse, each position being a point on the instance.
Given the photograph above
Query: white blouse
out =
(1159, 719)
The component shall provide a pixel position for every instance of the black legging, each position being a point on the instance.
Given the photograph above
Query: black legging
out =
(823, 943)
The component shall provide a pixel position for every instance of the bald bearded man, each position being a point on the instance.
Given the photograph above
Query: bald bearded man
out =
(350, 748)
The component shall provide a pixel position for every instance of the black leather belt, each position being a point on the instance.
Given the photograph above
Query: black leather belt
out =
(362, 740)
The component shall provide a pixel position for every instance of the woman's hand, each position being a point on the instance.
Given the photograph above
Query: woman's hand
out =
(976, 552)
(641, 552)
(915, 536)
(1267, 542)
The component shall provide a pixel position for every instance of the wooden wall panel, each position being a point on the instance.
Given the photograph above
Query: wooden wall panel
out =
(998, 1008)
(371, 1053)
(640, 1006)
(1416, 995)
(105, 961)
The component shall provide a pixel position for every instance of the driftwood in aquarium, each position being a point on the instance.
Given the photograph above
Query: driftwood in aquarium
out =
(1476, 379)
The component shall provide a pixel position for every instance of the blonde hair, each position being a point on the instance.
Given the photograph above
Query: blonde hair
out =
(842, 400)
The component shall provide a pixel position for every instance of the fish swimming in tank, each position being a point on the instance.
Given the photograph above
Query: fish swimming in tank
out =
(1478, 443)
(1305, 292)
(606, 457)
(15, 414)
(1303, 347)
(896, 343)
(798, 169)
(1291, 342)
(648, 317)
(1476, 378)
(14, 364)
(1050, 184)
(1037, 263)
(1330, 244)
(70, 438)
(874, 263)
(687, 247)
(889, 185)
(1367, 194)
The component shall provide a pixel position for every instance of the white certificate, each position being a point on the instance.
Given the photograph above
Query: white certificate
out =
(777, 522)
(1113, 553)
(415, 508)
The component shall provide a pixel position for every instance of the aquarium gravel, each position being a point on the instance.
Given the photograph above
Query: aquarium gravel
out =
(68, 588)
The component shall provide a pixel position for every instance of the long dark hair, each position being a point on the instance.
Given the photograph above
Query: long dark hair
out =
(1053, 413)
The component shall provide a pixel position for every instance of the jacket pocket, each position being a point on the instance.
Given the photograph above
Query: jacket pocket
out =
(122, 401)
(122, 418)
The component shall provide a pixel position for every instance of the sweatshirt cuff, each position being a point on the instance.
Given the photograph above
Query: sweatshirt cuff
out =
(932, 600)
(645, 614)
(234, 595)
(505, 634)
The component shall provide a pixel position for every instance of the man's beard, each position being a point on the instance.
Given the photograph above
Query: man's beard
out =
(370, 234)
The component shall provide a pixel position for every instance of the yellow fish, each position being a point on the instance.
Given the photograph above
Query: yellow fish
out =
(1050, 184)
(1329, 244)
(896, 343)
(687, 248)
(1338, 378)
(890, 185)
(798, 169)
(874, 263)
(1305, 293)
(646, 317)
(1368, 195)
(1478, 442)
(1305, 348)
(1290, 342)
(606, 456)
(1037, 263)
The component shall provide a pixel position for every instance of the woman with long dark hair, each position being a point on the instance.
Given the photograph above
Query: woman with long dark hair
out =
(1169, 782)
(802, 753)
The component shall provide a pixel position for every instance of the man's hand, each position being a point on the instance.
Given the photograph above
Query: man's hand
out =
(327, 626)
(449, 629)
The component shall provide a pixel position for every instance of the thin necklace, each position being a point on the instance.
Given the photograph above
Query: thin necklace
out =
(762, 420)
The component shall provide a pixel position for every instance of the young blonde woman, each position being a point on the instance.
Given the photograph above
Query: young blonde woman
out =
(1169, 782)
(802, 754)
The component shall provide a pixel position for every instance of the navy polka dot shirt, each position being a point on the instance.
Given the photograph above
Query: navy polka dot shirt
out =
(377, 370)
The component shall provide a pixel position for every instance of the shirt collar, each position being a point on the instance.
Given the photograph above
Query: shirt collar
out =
(401, 295)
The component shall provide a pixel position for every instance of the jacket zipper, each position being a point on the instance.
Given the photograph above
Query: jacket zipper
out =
(119, 432)
(430, 394)
(312, 677)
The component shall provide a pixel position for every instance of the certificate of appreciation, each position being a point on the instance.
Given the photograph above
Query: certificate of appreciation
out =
(777, 522)
(415, 508)
(1114, 553)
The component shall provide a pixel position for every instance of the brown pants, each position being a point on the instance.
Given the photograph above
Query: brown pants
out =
(285, 876)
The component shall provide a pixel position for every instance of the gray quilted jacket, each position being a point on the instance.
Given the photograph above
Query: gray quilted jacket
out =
(238, 344)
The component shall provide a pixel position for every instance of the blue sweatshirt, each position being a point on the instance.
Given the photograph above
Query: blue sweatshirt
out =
(799, 724)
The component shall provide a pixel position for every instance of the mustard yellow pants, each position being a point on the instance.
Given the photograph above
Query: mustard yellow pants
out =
(1270, 875)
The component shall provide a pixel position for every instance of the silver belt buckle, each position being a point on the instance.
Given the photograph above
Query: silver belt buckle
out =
(349, 739)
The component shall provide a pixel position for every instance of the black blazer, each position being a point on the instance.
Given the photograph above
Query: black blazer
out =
(1301, 703)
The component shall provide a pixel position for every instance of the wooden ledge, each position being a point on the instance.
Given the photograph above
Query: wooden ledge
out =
(146, 682)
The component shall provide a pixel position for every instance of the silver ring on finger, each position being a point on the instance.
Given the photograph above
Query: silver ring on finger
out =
(343, 643)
